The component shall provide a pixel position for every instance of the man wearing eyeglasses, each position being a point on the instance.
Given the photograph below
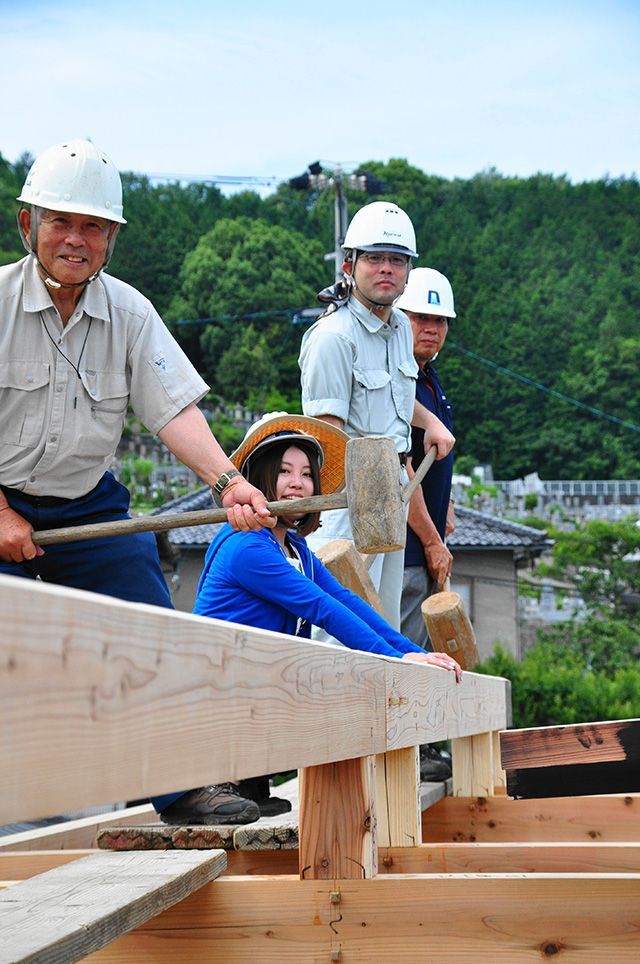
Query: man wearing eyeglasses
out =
(357, 364)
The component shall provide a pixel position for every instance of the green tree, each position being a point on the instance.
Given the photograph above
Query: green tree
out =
(247, 277)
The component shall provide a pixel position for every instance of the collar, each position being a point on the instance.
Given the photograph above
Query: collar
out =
(37, 297)
(370, 321)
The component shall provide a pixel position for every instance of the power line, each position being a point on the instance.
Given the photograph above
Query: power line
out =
(544, 388)
(307, 315)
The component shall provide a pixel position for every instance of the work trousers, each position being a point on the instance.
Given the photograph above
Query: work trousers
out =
(417, 584)
(127, 567)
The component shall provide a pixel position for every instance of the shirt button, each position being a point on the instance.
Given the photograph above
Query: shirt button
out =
(32, 478)
(59, 388)
(54, 438)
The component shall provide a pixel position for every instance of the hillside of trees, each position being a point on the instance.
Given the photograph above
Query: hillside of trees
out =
(546, 276)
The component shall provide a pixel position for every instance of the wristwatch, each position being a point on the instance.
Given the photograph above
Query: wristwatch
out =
(221, 485)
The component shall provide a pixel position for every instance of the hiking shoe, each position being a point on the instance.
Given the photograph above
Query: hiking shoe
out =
(219, 804)
(258, 789)
(434, 767)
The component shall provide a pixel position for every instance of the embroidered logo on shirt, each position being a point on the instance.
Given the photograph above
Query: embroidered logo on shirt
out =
(160, 362)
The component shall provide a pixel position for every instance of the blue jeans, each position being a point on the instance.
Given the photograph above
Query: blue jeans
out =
(127, 567)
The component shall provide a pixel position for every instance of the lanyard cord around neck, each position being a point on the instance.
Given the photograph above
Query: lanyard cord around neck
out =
(57, 347)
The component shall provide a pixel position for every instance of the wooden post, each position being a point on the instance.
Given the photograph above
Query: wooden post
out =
(472, 759)
(337, 822)
(398, 798)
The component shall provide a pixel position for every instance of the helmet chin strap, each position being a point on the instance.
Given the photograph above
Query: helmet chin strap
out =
(52, 282)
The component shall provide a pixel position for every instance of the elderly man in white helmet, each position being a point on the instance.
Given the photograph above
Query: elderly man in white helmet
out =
(428, 302)
(357, 364)
(76, 348)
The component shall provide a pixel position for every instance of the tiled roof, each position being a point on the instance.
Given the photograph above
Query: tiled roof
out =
(480, 530)
(474, 530)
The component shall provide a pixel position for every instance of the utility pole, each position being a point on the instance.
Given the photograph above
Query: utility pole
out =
(315, 179)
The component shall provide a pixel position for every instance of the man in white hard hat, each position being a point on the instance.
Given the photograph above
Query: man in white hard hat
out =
(76, 348)
(357, 364)
(428, 302)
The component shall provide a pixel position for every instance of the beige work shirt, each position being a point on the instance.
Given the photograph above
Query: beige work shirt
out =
(64, 391)
(362, 370)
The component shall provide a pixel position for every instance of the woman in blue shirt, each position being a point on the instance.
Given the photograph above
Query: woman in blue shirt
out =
(270, 579)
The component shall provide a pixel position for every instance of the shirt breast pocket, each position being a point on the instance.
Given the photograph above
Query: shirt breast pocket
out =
(23, 401)
(102, 409)
(369, 398)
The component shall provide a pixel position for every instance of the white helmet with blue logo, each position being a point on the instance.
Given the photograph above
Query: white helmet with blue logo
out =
(428, 292)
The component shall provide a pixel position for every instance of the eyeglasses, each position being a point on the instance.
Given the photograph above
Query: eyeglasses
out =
(395, 260)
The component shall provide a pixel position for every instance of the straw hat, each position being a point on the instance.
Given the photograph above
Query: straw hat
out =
(331, 443)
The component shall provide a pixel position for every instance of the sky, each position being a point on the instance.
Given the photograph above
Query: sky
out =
(260, 90)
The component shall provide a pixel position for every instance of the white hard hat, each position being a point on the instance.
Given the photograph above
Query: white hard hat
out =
(381, 226)
(428, 292)
(77, 178)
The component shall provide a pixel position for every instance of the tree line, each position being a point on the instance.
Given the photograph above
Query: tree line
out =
(546, 276)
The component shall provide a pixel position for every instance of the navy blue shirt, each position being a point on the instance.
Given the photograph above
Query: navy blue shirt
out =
(436, 485)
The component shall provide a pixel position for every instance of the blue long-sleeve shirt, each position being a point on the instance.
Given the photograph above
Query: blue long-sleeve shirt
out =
(247, 579)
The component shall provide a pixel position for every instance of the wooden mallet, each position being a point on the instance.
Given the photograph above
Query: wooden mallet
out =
(373, 495)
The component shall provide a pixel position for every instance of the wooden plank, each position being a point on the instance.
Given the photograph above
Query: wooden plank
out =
(65, 914)
(578, 743)
(472, 766)
(398, 798)
(74, 834)
(503, 918)
(570, 819)
(160, 836)
(337, 820)
(135, 700)
(574, 781)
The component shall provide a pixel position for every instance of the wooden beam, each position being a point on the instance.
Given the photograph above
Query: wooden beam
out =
(74, 834)
(337, 820)
(135, 701)
(442, 858)
(577, 780)
(20, 865)
(579, 743)
(507, 917)
(496, 819)
(65, 914)
(398, 798)
(493, 858)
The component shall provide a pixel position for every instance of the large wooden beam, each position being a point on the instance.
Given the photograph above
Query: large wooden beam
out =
(574, 744)
(128, 701)
(65, 914)
(496, 819)
(507, 917)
